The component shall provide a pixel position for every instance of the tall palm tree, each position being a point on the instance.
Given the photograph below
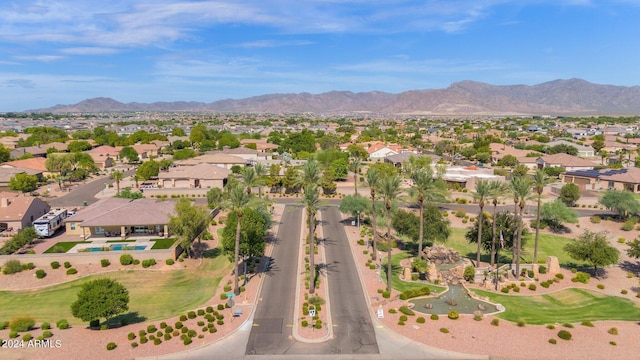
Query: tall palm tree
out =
(390, 190)
(311, 202)
(354, 166)
(237, 201)
(425, 189)
(261, 171)
(481, 194)
(498, 190)
(310, 174)
(117, 176)
(521, 188)
(372, 178)
(540, 179)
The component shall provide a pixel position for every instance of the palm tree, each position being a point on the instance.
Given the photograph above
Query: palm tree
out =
(481, 194)
(249, 178)
(540, 179)
(390, 190)
(310, 174)
(261, 171)
(498, 190)
(372, 178)
(136, 178)
(425, 189)
(237, 201)
(521, 188)
(311, 203)
(117, 176)
(354, 167)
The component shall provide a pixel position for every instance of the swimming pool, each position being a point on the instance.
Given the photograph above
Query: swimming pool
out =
(116, 247)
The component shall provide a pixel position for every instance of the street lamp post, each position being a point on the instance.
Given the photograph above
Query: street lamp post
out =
(358, 219)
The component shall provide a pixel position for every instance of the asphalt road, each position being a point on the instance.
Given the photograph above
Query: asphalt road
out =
(271, 333)
(84, 192)
(352, 327)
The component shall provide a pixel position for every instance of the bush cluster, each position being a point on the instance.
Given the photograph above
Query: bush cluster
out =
(581, 277)
(72, 271)
(22, 323)
(105, 262)
(542, 269)
(40, 274)
(126, 259)
(405, 310)
(11, 267)
(564, 335)
(148, 262)
(415, 293)
(453, 315)
(55, 265)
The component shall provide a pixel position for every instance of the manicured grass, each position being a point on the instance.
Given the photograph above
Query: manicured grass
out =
(548, 245)
(397, 283)
(162, 243)
(65, 245)
(153, 296)
(566, 306)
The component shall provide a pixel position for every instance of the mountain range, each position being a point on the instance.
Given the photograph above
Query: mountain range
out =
(557, 98)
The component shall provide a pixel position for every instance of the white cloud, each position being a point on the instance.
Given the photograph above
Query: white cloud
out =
(89, 51)
(40, 58)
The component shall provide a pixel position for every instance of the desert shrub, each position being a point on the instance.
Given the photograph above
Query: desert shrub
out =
(13, 334)
(564, 335)
(105, 262)
(622, 240)
(360, 242)
(600, 286)
(187, 340)
(67, 265)
(581, 277)
(167, 336)
(613, 343)
(444, 330)
(587, 323)
(403, 318)
(477, 317)
(542, 269)
(157, 341)
(516, 289)
(191, 314)
(553, 341)
(136, 261)
(532, 287)
(72, 271)
(111, 346)
(415, 293)
(420, 320)
(495, 322)
(134, 344)
(435, 317)
(392, 311)
(546, 284)
(386, 294)
(568, 325)
(183, 317)
(521, 323)
(595, 219)
(151, 329)
(551, 326)
(45, 326)
(131, 336)
(40, 274)
(559, 276)
(505, 290)
(55, 265)
(453, 315)
(143, 340)
(170, 262)
(47, 334)
(22, 323)
(142, 332)
(401, 323)
(27, 337)
(62, 324)
(613, 331)
(624, 292)
(28, 266)
(94, 323)
(405, 310)
(304, 323)
(629, 224)
(168, 330)
(11, 267)
(220, 307)
(126, 259)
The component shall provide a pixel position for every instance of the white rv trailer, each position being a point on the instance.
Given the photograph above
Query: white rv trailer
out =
(49, 223)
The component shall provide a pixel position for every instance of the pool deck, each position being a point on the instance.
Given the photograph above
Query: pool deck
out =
(102, 242)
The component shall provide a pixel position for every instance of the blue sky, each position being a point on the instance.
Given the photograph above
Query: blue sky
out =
(64, 51)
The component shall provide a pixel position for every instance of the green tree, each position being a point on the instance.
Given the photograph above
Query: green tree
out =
(215, 198)
(425, 188)
(274, 181)
(23, 183)
(354, 205)
(373, 178)
(5, 154)
(508, 225)
(253, 228)
(634, 248)
(227, 139)
(389, 190)
(78, 146)
(126, 193)
(148, 169)
(539, 181)
(508, 161)
(198, 134)
(481, 194)
(128, 153)
(261, 171)
(623, 202)
(184, 154)
(236, 202)
(520, 170)
(569, 194)
(340, 168)
(189, 223)
(61, 164)
(291, 181)
(311, 202)
(554, 214)
(357, 151)
(176, 131)
(117, 176)
(384, 169)
(593, 248)
(100, 298)
(327, 181)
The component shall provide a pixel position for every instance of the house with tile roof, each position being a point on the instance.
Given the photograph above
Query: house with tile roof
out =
(569, 162)
(7, 172)
(38, 150)
(498, 151)
(215, 158)
(619, 179)
(201, 176)
(32, 166)
(18, 211)
(583, 151)
(122, 218)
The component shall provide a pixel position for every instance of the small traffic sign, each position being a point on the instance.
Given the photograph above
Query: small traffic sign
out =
(230, 295)
(312, 312)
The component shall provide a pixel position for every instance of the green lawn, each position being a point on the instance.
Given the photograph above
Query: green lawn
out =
(566, 306)
(162, 243)
(153, 295)
(548, 245)
(64, 246)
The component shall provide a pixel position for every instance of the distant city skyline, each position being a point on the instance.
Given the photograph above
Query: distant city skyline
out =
(64, 51)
